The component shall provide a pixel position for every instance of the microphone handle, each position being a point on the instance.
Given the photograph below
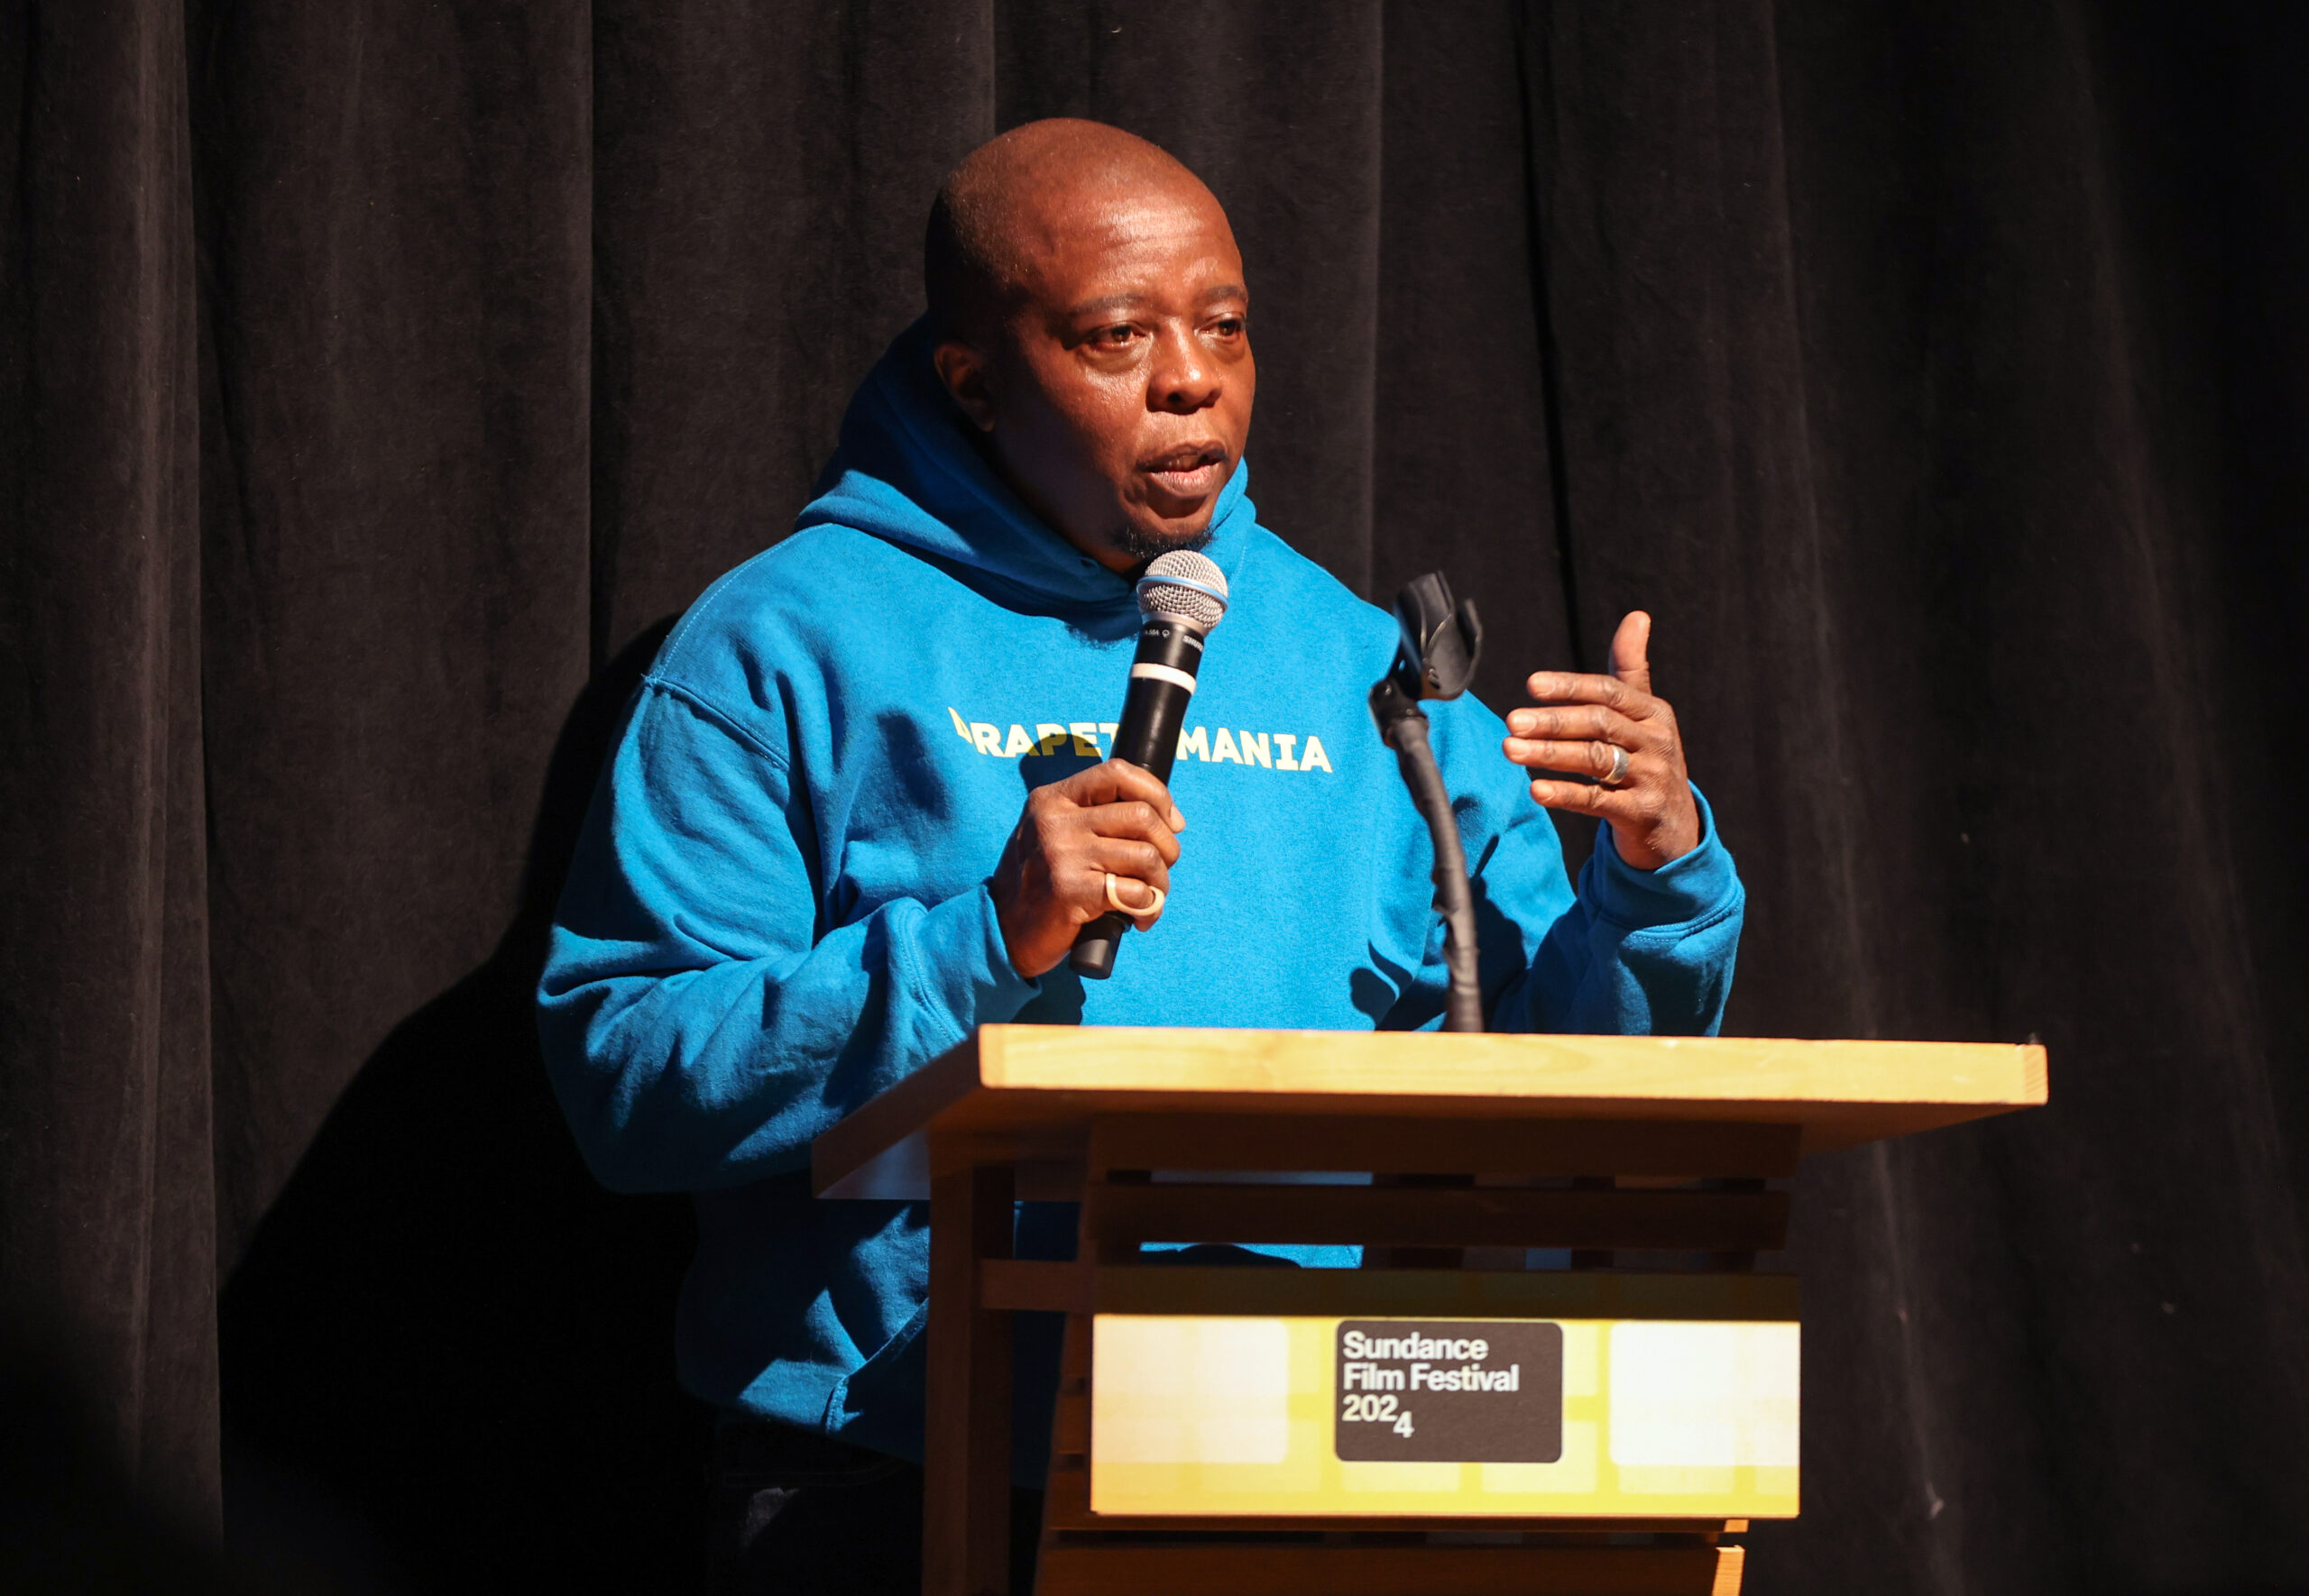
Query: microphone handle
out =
(1153, 712)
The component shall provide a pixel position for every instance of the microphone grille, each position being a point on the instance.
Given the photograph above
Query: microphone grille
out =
(1186, 586)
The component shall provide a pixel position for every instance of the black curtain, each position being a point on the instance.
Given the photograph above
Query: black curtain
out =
(376, 380)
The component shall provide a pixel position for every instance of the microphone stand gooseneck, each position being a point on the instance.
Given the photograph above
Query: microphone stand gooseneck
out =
(1436, 659)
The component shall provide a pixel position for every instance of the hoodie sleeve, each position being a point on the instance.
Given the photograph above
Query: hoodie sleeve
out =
(701, 1020)
(1631, 953)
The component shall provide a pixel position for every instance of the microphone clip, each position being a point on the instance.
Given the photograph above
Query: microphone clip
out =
(1440, 642)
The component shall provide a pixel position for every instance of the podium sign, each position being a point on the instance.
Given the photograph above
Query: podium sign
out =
(1586, 1419)
(1558, 1331)
(1441, 1391)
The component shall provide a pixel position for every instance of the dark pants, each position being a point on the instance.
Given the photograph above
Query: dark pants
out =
(794, 1514)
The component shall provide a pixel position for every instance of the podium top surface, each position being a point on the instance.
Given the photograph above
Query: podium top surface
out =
(1036, 1088)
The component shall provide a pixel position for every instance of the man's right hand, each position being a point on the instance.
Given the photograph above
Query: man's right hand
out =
(1051, 881)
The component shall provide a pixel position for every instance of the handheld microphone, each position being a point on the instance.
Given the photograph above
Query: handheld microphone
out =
(1182, 596)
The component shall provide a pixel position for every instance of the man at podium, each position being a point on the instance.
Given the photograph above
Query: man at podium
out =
(860, 805)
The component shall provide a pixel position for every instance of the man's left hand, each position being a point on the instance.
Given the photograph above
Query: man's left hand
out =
(1612, 729)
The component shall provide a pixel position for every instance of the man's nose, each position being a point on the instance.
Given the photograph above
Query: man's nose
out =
(1182, 380)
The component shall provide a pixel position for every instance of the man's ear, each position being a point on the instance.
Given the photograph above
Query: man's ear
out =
(963, 369)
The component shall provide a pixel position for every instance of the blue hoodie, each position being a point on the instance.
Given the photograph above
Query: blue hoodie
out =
(779, 905)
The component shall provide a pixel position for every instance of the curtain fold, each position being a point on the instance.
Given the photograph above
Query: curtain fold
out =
(377, 382)
(395, 219)
(106, 1208)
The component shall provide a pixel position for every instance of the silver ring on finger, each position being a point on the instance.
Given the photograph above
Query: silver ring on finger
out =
(1119, 907)
(1620, 763)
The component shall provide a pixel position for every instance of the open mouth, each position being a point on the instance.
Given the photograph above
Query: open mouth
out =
(1190, 471)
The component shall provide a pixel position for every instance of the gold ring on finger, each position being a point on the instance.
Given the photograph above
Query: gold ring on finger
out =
(1122, 908)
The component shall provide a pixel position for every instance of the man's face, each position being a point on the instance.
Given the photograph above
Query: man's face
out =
(1117, 399)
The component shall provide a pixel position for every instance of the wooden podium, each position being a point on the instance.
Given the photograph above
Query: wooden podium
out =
(1463, 1414)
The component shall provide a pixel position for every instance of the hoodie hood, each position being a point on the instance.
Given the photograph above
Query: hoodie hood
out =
(908, 470)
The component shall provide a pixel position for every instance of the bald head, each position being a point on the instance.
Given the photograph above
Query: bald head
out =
(1089, 319)
(1004, 210)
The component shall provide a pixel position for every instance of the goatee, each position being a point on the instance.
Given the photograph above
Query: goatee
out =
(1141, 546)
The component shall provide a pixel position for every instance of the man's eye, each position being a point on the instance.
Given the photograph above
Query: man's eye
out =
(1114, 337)
(1228, 326)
